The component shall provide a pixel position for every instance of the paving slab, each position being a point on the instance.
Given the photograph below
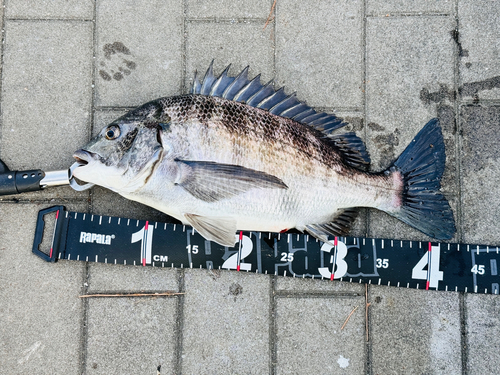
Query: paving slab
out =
(292, 286)
(128, 279)
(479, 27)
(482, 324)
(310, 338)
(203, 9)
(240, 44)
(40, 312)
(138, 51)
(38, 73)
(414, 331)
(325, 71)
(403, 70)
(388, 7)
(131, 335)
(53, 9)
(480, 174)
(226, 323)
(401, 63)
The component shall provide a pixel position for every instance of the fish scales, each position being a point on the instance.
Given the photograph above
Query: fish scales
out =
(243, 135)
(222, 165)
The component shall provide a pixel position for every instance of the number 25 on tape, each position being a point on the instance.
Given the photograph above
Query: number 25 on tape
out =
(433, 274)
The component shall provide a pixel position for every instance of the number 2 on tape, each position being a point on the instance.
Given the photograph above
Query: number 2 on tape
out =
(246, 249)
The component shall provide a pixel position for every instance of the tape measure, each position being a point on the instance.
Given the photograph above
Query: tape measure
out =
(78, 236)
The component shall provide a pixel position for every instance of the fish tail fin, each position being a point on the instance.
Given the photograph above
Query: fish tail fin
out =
(421, 166)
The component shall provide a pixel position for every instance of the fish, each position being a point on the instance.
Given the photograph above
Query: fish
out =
(238, 155)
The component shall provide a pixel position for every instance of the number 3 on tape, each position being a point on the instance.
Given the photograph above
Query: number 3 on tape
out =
(340, 267)
(430, 259)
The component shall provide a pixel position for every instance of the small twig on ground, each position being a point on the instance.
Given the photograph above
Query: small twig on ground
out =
(132, 295)
(366, 310)
(348, 317)
(269, 18)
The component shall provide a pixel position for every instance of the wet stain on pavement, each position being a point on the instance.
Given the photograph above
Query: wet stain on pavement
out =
(118, 63)
(444, 93)
(387, 143)
(235, 289)
(473, 88)
(456, 37)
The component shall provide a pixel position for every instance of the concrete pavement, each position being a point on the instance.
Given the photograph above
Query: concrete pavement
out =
(70, 66)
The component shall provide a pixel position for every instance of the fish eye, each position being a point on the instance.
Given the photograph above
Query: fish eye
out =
(112, 132)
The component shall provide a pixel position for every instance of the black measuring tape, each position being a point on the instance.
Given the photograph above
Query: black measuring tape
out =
(407, 264)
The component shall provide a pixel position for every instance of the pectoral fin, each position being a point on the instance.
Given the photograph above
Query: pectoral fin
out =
(210, 181)
(220, 230)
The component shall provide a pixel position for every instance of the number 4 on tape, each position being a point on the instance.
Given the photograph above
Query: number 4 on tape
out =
(430, 259)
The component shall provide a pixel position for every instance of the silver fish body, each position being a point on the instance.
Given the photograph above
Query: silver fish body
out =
(223, 165)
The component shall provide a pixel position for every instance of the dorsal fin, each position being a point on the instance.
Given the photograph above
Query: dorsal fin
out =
(254, 93)
(352, 149)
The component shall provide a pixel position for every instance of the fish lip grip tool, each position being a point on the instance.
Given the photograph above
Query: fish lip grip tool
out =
(17, 182)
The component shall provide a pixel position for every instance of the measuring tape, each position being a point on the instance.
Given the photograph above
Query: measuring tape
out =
(407, 264)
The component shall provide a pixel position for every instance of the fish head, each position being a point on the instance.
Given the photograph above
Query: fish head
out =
(124, 154)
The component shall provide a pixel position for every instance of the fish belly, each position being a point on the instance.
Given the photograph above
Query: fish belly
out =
(306, 201)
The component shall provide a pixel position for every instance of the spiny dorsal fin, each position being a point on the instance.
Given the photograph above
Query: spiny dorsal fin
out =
(252, 92)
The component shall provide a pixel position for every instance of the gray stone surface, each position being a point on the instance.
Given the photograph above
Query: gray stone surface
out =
(400, 64)
(131, 335)
(226, 323)
(126, 279)
(479, 27)
(53, 9)
(326, 71)
(139, 51)
(216, 9)
(480, 174)
(236, 43)
(388, 7)
(229, 322)
(414, 332)
(483, 324)
(42, 125)
(40, 312)
(310, 339)
(293, 285)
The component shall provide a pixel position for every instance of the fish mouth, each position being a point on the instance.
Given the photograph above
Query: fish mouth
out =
(83, 157)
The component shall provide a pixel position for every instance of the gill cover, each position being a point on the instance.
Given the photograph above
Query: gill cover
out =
(124, 154)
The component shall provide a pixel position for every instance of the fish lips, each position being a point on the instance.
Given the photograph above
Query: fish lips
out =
(84, 157)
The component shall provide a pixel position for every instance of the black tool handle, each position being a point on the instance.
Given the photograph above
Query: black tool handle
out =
(15, 182)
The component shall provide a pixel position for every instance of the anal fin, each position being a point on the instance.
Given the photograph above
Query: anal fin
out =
(220, 230)
(339, 226)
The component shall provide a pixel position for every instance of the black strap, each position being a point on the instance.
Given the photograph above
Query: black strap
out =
(406, 264)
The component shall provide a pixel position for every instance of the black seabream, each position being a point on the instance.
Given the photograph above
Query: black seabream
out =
(238, 155)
